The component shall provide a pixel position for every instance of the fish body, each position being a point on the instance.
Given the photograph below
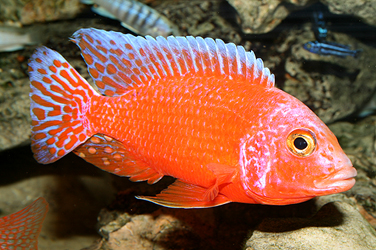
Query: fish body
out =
(369, 108)
(200, 110)
(330, 49)
(319, 26)
(13, 38)
(136, 16)
(20, 230)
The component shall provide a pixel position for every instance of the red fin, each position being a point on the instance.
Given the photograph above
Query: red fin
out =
(117, 60)
(184, 195)
(59, 99)
(112, 156)
(224, 174)
(21, 229)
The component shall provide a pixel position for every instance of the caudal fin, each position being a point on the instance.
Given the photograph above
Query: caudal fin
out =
(59, 98)
(21, 229)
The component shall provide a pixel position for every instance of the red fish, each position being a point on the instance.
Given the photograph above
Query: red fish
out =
(20, 230)
(200, 110)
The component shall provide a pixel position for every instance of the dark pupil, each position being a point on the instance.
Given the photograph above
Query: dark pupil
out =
(300, 143)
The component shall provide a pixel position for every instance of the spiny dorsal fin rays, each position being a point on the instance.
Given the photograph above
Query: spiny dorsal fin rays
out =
(117, 61)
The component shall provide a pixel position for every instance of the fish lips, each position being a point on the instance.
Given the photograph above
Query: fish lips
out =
(339, 181)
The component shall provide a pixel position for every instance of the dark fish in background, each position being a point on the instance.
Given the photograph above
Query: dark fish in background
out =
(135, 16)
(319, 26)
(330, 49)
(323, 47)
(20, 230)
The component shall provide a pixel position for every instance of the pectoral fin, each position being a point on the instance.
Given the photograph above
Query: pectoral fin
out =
(184, 195)
(112, 156)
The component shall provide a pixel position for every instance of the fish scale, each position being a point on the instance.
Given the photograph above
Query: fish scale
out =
(202, 111)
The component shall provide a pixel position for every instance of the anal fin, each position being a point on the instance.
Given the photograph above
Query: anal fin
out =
(184, 195)
(112, 156)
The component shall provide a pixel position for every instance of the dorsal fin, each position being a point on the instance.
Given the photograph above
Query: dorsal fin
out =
(116, 61)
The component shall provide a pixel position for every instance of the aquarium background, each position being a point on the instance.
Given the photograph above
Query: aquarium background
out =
(92, 209)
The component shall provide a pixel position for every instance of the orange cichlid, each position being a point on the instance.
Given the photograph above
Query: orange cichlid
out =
(199, 110)
(20, 230)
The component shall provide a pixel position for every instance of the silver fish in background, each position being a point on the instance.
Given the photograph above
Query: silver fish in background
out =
(369, 108)
(330, 49)
(135, 16)
(15, 38)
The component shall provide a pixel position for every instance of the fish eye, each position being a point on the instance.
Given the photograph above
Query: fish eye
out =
(301, 142)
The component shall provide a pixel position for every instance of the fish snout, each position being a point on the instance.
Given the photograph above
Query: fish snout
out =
(339, 181)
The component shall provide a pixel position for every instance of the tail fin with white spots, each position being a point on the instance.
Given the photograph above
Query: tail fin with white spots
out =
(60, 98)
(21, 229)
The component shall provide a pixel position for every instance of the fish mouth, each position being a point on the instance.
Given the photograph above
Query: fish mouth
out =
(340, 181)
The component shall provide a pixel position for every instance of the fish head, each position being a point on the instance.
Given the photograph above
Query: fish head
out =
(312, 47)
(292, 157)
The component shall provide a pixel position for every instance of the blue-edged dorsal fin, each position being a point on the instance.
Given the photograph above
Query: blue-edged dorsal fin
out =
(117, 61)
